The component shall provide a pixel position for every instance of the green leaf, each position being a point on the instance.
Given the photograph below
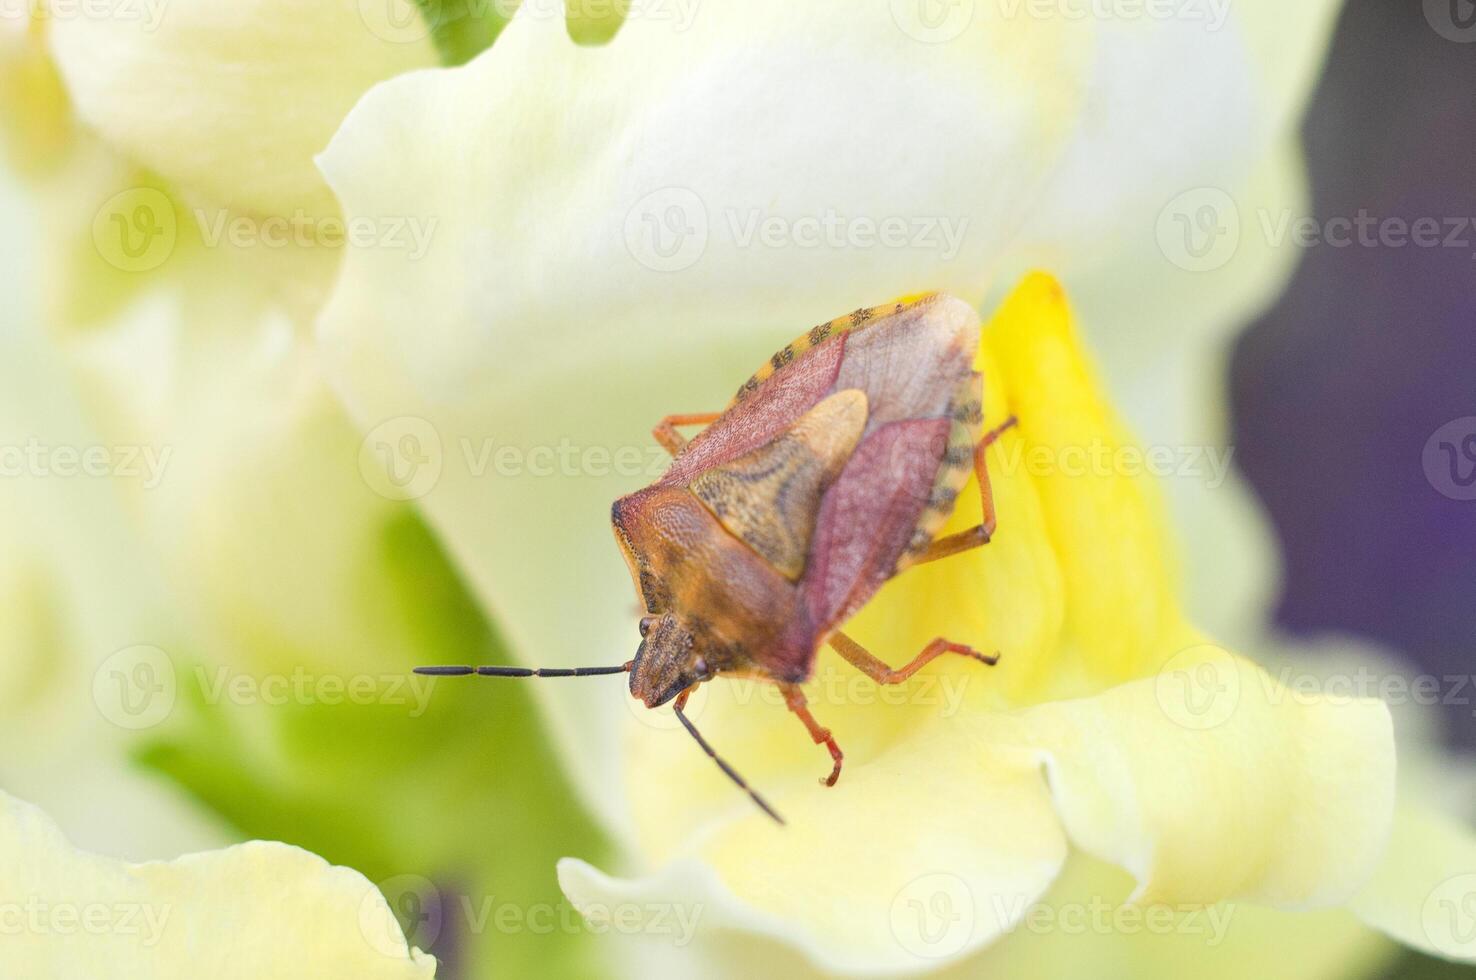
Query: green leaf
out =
(446, 793)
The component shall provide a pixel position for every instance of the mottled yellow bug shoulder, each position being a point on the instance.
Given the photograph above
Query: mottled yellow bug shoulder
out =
(823, 333)
(768, 498)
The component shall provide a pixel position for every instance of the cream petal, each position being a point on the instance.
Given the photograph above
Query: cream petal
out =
(1083, 926)
(1184, 779)
(1423, 893)
(1212, 781)
(230, 99)
(255, 910)
(854, 876)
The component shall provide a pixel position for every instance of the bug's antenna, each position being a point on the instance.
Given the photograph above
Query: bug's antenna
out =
(525, 671)
(723, 765)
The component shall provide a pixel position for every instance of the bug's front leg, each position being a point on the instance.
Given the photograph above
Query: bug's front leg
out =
(862, 660)
(794, 698)
(979, 535)
(666, 430)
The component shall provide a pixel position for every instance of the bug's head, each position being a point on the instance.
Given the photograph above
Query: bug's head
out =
(666, 662)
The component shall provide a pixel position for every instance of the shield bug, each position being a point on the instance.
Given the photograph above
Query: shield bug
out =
(831, 470)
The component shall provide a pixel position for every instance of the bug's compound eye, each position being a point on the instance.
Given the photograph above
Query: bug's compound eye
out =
(646, 622)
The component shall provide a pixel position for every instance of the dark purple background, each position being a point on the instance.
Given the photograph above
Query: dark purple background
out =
(1339, 388)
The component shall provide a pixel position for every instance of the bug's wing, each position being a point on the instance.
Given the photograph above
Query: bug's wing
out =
(907, 357)
(769, 498)
(868, 516)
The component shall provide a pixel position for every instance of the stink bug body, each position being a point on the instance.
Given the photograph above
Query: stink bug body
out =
(831, 471)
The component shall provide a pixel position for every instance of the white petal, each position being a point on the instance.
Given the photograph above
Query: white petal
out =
(231, 98)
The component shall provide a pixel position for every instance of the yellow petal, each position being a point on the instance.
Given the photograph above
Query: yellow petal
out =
(255, 910)
(1077, 589)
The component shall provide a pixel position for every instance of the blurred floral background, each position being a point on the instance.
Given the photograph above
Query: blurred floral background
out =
(331, 329)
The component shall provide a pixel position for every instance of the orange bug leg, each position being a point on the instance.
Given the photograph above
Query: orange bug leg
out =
(794, 698)
(666, 430)
(863, 661)
(980, 535)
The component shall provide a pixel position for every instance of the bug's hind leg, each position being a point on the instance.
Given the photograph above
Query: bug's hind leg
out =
(980, 534)
(666, 430)
(862, 660)
(794, 698)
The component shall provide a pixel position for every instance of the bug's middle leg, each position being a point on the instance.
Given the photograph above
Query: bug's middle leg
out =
(666, 430)
(794, 698)
(980, 534)
(860, 658)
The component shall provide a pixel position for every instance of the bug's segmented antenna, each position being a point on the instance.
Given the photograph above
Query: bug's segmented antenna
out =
(524, 671)
(723, 765)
